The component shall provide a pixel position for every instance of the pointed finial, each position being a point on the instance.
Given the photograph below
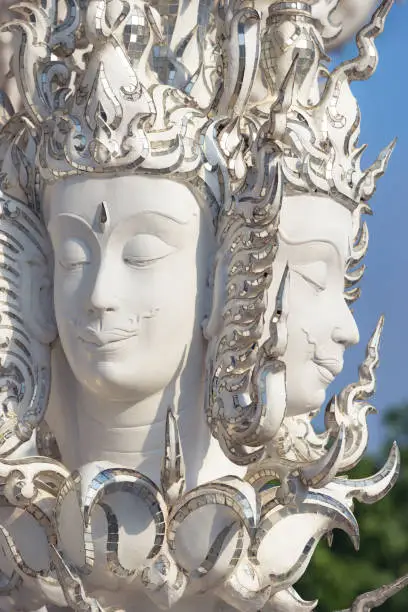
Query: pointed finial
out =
(173, 470)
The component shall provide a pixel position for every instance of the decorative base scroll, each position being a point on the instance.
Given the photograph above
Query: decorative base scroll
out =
(247, 564)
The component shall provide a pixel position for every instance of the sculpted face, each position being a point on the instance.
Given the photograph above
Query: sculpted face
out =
(315, 236)
(130, 289)
(126, 280)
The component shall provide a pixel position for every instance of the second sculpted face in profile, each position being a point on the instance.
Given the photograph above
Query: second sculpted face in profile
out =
(315, 239)
(128, 281)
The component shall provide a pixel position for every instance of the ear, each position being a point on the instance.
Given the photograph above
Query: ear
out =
(217, 286)
(27, 323)
(36, 269)
(26, 276)
(37, 299)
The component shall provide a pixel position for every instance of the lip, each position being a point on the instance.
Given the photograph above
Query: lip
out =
(108, 340)
(328, 369)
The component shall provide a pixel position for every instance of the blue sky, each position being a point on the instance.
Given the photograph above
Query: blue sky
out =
(384, 106)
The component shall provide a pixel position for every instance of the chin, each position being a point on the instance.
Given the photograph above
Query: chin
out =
(316, 400)
(306, 403)
(118, 382)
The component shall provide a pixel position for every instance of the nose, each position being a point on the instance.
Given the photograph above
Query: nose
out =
(346, 331)
(103, 296)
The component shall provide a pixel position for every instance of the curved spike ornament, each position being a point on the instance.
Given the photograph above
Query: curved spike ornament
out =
(289, 601)
(72, 585)
(351, 408)
(173, 468)
(374, 488)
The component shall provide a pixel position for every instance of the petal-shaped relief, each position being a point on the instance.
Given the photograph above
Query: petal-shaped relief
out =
(221, 518)
(243, 589)
(164, 581)
(284, 543)
(371, 489)
(108, 504)
(287, 535)
(173, 480)
(27, 531)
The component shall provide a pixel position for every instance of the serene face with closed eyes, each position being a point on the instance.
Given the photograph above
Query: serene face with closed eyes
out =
(315, 237)
(126, 280)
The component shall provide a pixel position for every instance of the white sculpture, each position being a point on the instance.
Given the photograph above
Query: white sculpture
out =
(199, 235)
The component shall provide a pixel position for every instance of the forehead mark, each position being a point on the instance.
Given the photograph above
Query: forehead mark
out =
(102, 222)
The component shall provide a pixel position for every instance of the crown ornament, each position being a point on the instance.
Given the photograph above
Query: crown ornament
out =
(317, 127)
(105, 110)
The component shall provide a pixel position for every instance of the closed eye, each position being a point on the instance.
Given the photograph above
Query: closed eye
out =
(142, 262)
(144, 250)
(73, 255)
(318, 286)
(73, 265)
(316, 274)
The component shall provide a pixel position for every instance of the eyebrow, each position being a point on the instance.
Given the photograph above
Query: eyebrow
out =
(325, 241)
(164, 215)
(142, 214)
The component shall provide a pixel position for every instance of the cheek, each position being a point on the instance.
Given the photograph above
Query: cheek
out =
(304, 309)
(312, 311)
(170, 289)
(69, 290)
